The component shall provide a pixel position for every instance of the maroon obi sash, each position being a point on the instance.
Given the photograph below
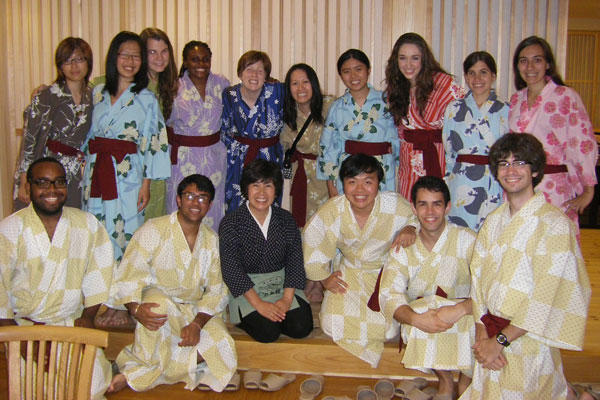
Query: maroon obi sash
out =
(494, 324)
(104, 183)
(255, 145)
(298, 188)
(424, 139)
(368, 148)
(555, 169)
(57, 147)
(473, 159)
(176, 140)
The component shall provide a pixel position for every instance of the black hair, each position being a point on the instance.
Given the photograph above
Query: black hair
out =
(357, 164)
(356, 54)
(261, 170)
(316, 101)
(42, 160)
(203, 184)
(482, 56)
(433, 184)
(112, 75)
(523, 147)
(187, 48)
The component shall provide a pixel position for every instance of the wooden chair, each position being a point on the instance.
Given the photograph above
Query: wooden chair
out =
(68, 352)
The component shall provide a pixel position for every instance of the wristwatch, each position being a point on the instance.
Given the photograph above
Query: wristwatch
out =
(502, 339)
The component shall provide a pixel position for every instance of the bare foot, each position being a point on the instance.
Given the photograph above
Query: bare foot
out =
(118, 382)
(463, 383)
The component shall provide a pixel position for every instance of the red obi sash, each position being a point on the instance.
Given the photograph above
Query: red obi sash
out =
(555, 169)
(368, 148)
(176, 140)
(494, 324)
(298, 189)
(424, 139)
(473, 159)
(104, 183)
(58, 147)
(255, 145)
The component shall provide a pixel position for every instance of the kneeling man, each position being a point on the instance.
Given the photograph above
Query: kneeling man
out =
(56, 262)
(530, 289)
(170, 281)
(426, 288)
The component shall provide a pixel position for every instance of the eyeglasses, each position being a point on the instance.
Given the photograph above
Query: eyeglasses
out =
(59, 183)
(130, 57)
(75, 60)
(200, 198)
(515, 164)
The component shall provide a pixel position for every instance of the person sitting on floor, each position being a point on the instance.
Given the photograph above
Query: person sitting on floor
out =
(56, 262)
(261, 260)
(170, 281)
(423, 287)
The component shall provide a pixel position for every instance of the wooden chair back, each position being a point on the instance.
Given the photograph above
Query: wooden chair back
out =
(58, 364)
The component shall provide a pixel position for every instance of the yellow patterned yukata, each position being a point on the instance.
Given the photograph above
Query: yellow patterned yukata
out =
(528, 268)
(346, 317)
(53, 281)
(411, 277)
(158, 267)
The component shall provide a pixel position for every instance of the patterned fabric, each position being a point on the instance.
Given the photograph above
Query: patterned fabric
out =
(528, 268)
(159, 267)
(53, 281)
(346, 317)
(136, 118)
(192, 116)
(316, 190)
(348, 121)
(53, 115)
(559, 120)
(411, 161)
(469, 129)
(244, 249)
(411, 277)
(264, 120)
(157, 206)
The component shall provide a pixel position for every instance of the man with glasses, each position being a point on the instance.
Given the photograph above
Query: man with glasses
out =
(170, 281)
(56, 262)
(530, 289)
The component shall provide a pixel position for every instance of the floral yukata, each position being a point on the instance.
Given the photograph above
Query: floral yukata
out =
(471, 131)
(192, 116)
(263, 121)
(371, 123)
(134, 118)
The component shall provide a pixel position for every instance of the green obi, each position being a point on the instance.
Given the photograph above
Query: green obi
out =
(269, 287)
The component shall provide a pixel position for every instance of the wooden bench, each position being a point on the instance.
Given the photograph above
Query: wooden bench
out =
(317, 354)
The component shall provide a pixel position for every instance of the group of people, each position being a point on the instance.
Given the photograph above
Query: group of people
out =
(378, 260)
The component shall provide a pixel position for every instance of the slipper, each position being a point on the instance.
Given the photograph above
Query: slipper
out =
(416, 394)
(252, 378)
(311, 387)
(203, 387)
(273, 383)
(366, 393)
(234, 383)
(406, 386)
(385, 389)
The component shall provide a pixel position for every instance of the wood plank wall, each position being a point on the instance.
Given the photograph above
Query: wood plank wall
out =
(290, 31)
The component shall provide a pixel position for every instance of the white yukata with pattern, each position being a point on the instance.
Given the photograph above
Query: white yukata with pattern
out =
(52, 281)
(158, 267)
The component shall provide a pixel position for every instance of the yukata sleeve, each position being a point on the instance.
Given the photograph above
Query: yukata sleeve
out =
(478, 260)
(215, 296)
(448, 129)
(232, 261)
(391, 135)
(320, 242)
(295, 275)
(330, 145)
(228, 128)
(9, 232)
(35, 131)
(155, 145)
(97, 280)
(581, 146)
(394, 283)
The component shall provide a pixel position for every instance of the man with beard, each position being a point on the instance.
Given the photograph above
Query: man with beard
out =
(56, 262)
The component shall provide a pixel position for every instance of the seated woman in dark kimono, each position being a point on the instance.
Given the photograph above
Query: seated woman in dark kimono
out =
(262, 262)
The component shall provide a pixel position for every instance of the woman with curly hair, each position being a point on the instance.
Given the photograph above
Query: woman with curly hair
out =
(418, 91)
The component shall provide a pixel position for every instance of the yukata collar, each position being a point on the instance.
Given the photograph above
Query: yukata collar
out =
(372, 95)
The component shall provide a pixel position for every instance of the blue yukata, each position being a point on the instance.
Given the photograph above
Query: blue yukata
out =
(262, 121)
(134, 118)
(470, 130)
(348, 121)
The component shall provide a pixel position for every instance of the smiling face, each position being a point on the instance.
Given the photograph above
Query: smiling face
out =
(431, 211)
(517, 181)
(76, 67)
(49, 201)
(129, 60)
(193, 204)
(198, 62)
(355, 75)
(158, 55)
(253, 77)
(480, 79)
(361, 191)
(533, 66)
(261, 195)
(300, 87)
(410, 61)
